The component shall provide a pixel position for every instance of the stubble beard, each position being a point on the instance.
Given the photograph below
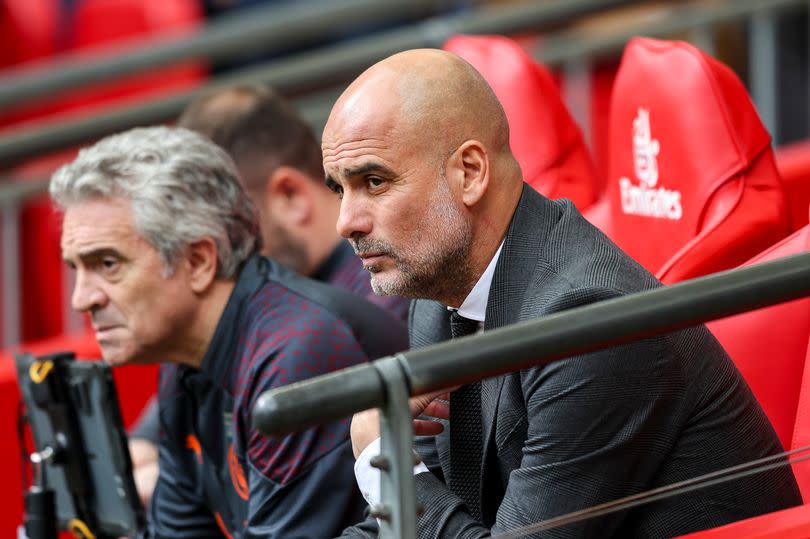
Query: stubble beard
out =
(440, 272)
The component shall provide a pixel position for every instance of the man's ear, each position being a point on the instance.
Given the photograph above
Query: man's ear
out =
(201, 260)
(470, 164)
(288, 196)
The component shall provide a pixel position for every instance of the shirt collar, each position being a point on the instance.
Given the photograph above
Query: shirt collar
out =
(474, 305)
(219, 359)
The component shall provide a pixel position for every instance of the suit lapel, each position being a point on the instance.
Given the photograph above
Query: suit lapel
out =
(429, 323)
(516, 268)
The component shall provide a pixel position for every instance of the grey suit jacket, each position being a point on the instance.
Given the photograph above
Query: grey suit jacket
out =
(600, 426)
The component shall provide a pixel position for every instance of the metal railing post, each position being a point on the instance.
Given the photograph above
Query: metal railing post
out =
(261, 29)
(576, 90)
(10, 273)
(764, 83)
(396, 512)
(296, 74)
(702, 37)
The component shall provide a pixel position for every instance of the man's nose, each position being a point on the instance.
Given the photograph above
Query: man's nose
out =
(87, 295)
(354, 218)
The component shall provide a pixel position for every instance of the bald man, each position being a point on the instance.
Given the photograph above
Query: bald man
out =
(434, 204)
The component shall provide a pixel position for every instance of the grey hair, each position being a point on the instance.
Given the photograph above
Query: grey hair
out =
(182, 187)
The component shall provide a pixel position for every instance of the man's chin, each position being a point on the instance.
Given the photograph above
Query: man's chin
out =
(114, 356)
(386, 284)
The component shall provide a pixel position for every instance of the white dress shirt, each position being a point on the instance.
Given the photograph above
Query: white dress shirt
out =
(473, 307)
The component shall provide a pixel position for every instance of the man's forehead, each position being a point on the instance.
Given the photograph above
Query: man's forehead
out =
(346, 152)
(97, 223)
(114, 209)
(354, 129)
(368, 109)
(370, 139)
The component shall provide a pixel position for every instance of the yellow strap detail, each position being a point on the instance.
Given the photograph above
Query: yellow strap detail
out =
(79, 529)
(39, 370)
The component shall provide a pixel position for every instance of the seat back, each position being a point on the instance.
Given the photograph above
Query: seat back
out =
(801, 426)
(43, 274)
(793, 161)
(30, 30)
(11, 495)
(100, 26)
(801, 430)
(770, 346)
(692, 187)
(543, 136)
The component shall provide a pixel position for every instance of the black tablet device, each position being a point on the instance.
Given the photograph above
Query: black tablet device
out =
(72, 408)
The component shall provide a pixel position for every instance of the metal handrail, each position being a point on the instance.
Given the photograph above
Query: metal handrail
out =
(338, 63)
(577, 43)
(266, 29)
(295, 73)
(535, 343)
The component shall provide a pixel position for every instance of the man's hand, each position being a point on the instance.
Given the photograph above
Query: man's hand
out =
(366, 424)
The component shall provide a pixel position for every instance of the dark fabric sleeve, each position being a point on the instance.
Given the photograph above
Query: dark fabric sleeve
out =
(302, 484)
(368, 529)
(320, 501)
(148, 425)
(177, 509)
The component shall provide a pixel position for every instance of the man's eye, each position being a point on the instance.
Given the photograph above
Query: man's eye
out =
(375, 182)
(109, 264)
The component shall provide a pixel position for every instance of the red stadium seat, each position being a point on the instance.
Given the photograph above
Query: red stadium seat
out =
(11, 500)
(770, 348)
(42, 286)
(135, 385)
(692, 187)
(31, 33)
(29, 29)
(793, 162)
(101, 26)
(544, 138)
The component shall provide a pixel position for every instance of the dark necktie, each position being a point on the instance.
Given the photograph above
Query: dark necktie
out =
(465, 431)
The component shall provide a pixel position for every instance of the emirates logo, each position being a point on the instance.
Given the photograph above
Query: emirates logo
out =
(644, 198)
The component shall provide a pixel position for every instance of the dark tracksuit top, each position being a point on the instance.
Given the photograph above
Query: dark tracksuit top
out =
(221, 478)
